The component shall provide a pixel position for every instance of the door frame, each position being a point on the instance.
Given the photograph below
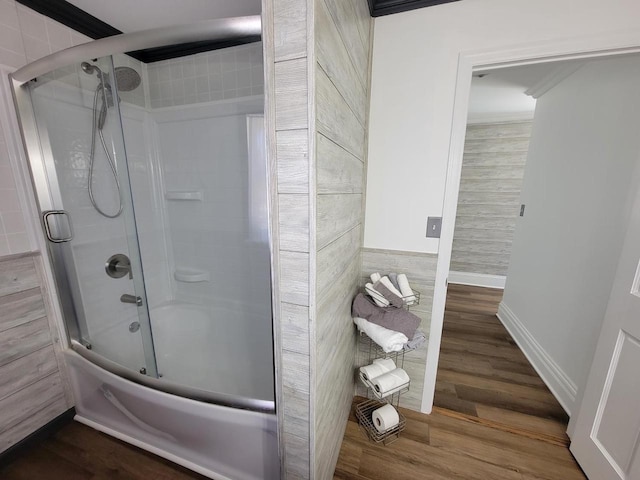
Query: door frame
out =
(469, 62)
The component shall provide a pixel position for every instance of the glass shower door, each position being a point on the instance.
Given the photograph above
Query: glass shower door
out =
(88, 213)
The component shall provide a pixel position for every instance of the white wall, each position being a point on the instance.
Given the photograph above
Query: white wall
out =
(578, 180)
(415, 59)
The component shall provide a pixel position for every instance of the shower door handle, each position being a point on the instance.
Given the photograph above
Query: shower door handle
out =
(61, 230)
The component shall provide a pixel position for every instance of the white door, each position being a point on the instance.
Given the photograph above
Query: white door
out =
(606, 437)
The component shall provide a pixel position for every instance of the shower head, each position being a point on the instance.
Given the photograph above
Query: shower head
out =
(127, 79)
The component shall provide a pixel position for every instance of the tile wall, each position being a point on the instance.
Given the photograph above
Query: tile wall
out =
(24, 36)
(222, 74)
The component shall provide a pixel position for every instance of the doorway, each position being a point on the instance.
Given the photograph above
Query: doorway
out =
(580, 171)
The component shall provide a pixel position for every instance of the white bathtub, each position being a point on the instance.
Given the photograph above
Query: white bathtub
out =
(218, 442)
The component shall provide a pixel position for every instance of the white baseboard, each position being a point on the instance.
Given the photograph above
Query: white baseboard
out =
(477, 279)
(558, 382)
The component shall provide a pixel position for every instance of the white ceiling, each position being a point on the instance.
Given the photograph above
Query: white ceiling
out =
(501, 92)
(133, 15)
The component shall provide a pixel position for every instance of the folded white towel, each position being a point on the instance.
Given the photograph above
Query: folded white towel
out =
(388, 340)
(387, 283)
(377, 296)
(391, 382)
(407, 293)
(375, 277)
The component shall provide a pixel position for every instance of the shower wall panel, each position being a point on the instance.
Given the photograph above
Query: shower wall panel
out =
(219, 250)
(210, 76)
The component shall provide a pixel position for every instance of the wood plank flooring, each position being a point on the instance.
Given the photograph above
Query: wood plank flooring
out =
(482, 372)
(496, 419)
(77, 452)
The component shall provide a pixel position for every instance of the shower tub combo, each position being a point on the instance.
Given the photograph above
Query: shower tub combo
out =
(151, 181)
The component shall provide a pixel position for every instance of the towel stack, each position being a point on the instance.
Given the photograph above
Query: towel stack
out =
(390, 290)
(379, 313)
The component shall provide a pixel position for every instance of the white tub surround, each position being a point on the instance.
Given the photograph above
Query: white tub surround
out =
(179, 429)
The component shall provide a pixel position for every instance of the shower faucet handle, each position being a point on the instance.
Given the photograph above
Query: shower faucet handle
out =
(127, 298)
(118, 265)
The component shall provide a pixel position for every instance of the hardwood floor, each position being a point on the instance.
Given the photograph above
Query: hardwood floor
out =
(494, 419)
(442, 446)
(77, 452)
(482, 372)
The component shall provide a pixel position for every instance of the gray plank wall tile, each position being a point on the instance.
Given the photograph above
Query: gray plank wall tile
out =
(333, 58)
(293, 161)
(420, 269)
(290, 33)
(342, 81)
(31, 386)
(291, 94)
(488, 205)
(291, 136)
(346, 16)
(294, 222)
(337, 170)
(334, 118)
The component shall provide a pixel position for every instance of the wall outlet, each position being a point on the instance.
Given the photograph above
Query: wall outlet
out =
(434, 226)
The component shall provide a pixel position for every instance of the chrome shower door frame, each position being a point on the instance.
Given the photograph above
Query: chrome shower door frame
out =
(50, 199)
(48, 194)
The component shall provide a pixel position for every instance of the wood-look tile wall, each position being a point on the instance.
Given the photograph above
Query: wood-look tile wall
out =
(420, 269)
(32, 390)
(342, 32)
(489, 199)
(318, 73)
(287, 95)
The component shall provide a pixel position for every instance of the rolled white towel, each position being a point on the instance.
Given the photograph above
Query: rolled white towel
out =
(389, 340)
(405, 289)
(377, 297)
(387, 283)
(375, 277)
(391, 382)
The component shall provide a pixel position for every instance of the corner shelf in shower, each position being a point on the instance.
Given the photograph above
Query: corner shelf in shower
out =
(191, 276)
(186, 195)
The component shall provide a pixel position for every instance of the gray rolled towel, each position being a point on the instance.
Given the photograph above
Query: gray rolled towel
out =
(394, 280)
(391, 297)
(397, 319)
(416, 342)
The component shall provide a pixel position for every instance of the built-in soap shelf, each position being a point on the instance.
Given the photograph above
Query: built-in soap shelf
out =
(191, 275)
(185, 195)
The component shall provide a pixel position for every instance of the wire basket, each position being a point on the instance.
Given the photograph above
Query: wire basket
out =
(364, 412)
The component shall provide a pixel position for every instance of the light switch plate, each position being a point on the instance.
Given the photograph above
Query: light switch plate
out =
(434, 225)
